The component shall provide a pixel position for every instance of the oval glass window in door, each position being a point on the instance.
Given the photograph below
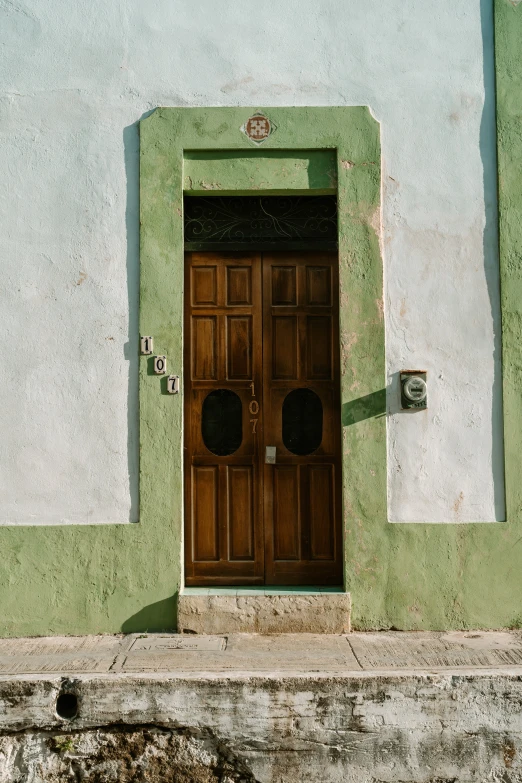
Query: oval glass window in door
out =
(302, 421)
(222, 422)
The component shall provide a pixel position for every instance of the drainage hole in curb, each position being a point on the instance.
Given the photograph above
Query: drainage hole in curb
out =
(67, 705)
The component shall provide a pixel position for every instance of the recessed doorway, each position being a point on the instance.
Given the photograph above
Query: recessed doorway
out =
(262, 413)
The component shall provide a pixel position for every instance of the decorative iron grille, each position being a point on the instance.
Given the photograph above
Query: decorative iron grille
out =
(305, 221)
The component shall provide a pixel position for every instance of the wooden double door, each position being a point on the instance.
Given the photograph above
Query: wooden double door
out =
(262, 419)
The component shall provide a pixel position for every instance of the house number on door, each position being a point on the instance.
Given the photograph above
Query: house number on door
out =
(253, 409)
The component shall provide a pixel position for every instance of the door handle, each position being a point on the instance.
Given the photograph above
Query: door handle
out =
(270, 455)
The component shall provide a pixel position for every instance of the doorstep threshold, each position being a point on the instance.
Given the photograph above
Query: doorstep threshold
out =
(261, 590)
(263, 609)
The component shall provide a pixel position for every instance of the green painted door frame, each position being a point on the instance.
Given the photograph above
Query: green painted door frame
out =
(313, 150)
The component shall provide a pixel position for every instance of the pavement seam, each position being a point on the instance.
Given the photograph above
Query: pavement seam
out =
(355, 654)
(121, 657)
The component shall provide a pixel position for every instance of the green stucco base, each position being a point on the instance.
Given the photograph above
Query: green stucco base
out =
(96, 579)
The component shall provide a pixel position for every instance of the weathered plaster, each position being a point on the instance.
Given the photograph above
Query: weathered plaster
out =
(126, 755)
(459, 727)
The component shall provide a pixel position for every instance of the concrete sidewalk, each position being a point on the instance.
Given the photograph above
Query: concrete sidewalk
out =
(253, 653)
(358, 708)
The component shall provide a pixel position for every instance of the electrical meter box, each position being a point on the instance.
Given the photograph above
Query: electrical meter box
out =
(414, 389)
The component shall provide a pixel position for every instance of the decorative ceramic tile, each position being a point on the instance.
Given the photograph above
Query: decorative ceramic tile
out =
(258, 128)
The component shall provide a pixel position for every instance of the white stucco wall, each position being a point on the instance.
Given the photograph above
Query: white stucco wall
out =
(75, 78)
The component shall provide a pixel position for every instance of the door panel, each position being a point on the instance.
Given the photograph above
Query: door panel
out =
(319, 285)
(223, 468)
(241, 516)
(204, 348)
(239, 347)
(205, 519)
(285, 354)
(262, 328)
(318, 336)
(321, 500)
(302, 508)
(284, 285)
(239, 285)
(204, 285)
(285, 514)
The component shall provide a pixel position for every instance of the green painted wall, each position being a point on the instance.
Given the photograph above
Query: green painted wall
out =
(271, 171)
(508, 48)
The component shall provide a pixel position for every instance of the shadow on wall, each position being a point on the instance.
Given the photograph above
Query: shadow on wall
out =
(376, 404)
(368, 407)
(154, 618)
(131, 151)
(131, 147)
(490, 246)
